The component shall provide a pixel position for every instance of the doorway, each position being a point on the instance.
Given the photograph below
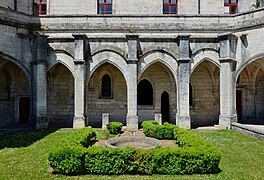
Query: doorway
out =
(239, 104)
(24, 109)
(165, 107)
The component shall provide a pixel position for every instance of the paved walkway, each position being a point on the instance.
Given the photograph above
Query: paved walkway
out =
(256, 131)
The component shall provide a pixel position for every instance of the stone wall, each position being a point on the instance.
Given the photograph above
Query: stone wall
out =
(13, 86)
(60, 97)
(162, 80)
(97, 105)
(205, 109)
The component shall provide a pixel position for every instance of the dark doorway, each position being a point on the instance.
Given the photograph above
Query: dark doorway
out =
(24, 109)
(145, 93)
(165, 107)
(239, 104)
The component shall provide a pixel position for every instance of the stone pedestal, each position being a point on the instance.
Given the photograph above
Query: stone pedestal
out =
(158, 118)
(105, 120)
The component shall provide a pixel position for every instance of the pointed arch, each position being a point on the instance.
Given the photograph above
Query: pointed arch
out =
(145, 93)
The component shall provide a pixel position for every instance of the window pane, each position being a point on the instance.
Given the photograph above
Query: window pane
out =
(165, 1)
(173, 1)
(233, 10)
(44, 9)
(226, 10)
(109, 9)
(226, 1)
(173, 9)
(108, 1)
(44, 1)
(36, 1)
(233, 1)
(166, 9)
(101, 9)
(101, 1)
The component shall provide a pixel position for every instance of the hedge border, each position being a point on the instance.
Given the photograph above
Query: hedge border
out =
(193, 156)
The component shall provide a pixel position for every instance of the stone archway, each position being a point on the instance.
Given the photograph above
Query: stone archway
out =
(250, 93)
(205, 82)
(14, 87)
(97, 103)
(60, 96)
(161, 79)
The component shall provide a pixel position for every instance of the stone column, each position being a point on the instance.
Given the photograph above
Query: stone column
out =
(39, 118)
(183, 115)
(79, 81)
(132, 118)
(227, 80)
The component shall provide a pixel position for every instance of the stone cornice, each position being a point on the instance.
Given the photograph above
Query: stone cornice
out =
(136, 23)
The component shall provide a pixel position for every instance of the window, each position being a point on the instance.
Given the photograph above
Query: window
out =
(190, 95)
(170, 7)
(230, 7)
(40, 7)
(145, 93)
(106, 86)
(104, 6)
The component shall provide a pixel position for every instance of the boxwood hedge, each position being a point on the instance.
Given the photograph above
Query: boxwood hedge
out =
(75, 155)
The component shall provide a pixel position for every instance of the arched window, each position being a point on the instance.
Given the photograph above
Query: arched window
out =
(106, 86)
(104, 6)
(170, 6)
(145, 93)
(190, 95)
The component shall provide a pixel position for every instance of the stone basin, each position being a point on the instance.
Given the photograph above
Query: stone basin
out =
(141, 142)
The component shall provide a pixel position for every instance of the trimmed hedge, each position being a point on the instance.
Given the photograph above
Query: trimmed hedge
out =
(154, 129)
(193, 156)
(114, 127)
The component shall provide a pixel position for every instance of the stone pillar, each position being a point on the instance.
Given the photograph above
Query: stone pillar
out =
(158, 118)
(105, 120)
(79, 81)
(227, 80)
(132, 118)
(183, 115)
(39, 118)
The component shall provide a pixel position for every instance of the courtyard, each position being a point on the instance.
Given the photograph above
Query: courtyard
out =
(24, 155)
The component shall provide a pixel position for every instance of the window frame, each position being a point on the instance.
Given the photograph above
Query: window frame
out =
(104, 4)
(39, 4)
(103, 87)
(230, 5)
(170, 5)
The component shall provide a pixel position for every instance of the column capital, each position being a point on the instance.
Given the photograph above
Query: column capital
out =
(183, 37)
(226, 36)
(80, 41)
(40, 47)
(132, 43)
(227, 59)
(132, 36)
(184, 60)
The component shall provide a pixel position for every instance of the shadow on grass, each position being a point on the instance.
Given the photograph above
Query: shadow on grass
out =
(23, 138)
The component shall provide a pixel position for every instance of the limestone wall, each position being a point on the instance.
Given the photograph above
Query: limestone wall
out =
(116, 106)
(60, 97)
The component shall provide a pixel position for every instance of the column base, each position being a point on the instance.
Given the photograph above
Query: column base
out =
(78, 122)
(225, 121)
(132, 123)
(41, 123)
(183, 121)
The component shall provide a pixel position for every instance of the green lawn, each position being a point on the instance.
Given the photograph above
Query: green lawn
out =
(24, 155)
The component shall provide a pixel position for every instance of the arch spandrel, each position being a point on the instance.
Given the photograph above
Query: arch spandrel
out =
(108, 57)
(205, 55)
(154, 57)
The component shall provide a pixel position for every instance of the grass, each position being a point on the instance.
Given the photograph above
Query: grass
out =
(23, 155)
